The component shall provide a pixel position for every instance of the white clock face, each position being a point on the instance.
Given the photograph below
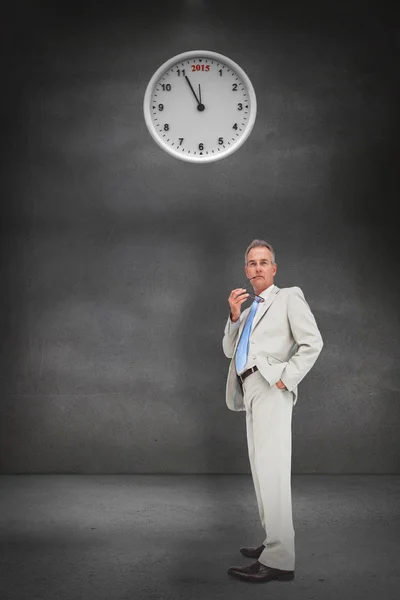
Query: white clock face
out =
(200, 106)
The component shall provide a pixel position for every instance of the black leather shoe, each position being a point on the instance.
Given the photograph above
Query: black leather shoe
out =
(258, 573)
(252, 552)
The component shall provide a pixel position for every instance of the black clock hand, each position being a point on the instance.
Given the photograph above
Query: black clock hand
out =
(190, 85)
(200, 106)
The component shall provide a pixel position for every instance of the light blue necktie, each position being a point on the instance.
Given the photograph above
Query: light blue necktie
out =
(243, 346)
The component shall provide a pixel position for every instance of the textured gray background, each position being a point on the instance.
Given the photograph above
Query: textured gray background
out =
(117, 260)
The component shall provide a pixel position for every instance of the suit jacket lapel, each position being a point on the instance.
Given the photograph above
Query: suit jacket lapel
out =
(262, 309)
(264, 306)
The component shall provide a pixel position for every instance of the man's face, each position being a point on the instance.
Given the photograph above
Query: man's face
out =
(259, 264)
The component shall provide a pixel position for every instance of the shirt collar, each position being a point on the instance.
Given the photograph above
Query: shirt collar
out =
(266, 292)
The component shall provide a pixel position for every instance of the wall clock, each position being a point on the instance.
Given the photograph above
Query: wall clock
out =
(200, 106)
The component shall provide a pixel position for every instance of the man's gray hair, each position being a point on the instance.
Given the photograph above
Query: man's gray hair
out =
(259, 244)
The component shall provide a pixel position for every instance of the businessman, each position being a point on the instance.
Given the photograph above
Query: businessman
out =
(273, 344)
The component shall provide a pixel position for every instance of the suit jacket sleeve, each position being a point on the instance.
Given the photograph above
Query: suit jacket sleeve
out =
(230, 335)
(307, 337)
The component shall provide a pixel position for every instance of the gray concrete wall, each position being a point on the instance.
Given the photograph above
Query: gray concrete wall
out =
(117, 260)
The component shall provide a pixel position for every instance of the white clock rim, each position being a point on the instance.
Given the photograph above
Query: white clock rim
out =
(185, 56)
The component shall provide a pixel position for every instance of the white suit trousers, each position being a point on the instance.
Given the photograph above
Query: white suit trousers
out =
(269, 438)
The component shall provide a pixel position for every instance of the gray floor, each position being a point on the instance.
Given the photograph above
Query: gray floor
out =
(115, 537)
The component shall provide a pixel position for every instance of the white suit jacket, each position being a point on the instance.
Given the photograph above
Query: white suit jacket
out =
(284, 343)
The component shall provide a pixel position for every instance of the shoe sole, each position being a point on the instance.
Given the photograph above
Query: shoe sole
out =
(282, 577)
(248, 555)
